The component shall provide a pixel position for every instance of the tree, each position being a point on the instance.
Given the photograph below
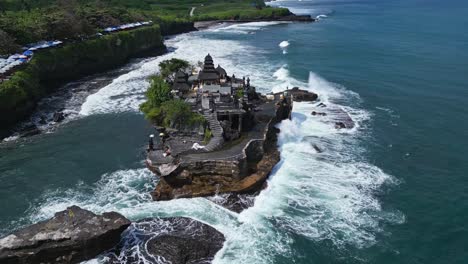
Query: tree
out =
(7, 43)
(158, 92)
(170, 67)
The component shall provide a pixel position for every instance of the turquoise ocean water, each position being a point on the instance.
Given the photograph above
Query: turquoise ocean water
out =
(392, 190)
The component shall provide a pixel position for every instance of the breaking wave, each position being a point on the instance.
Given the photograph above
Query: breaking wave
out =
(284, 44)
(321, 16)
(323, 188)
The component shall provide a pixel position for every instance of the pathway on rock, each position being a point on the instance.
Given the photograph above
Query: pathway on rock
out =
(217, 131)
(191, 11)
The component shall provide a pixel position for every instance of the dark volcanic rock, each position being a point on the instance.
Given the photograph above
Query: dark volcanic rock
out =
(58, 117)
(235, 202)
(29, 130)
(340, 125)
(297, 18)
(167, 240)
(302, 95)
(71, 236)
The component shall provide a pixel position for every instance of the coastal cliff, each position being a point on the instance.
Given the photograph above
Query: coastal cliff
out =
(49, 68)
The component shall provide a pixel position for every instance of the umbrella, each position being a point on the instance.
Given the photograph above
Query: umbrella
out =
(28, 53)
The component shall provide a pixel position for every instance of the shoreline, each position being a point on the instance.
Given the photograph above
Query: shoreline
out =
(47, 78)
(8, 129)
(201, 25)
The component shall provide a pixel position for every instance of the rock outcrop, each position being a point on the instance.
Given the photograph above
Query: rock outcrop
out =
(71, 236)
(241, 169)
(302, 95)
(170, 240)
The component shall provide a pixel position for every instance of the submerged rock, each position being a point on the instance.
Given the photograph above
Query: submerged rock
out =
(235, 202)
(71, 236)
(167, 240)
(340, 125)
(29, 130)
(58, 117)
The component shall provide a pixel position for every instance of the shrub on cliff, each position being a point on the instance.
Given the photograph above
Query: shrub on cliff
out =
(19, 95)
(177, 114)
(170, 67)
(244, 14)
(7, 43)
(173, 113)
(161, 109)
(158, 92)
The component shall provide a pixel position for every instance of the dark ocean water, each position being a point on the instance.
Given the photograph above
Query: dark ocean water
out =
(392, 190)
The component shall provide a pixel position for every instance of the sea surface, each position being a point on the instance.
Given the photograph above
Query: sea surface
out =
(394, 189)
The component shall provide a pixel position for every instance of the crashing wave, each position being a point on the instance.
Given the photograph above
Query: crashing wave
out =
(321, 16)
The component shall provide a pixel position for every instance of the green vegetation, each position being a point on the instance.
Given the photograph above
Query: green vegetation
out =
(169, 68)
(77, 21)
(161, 109)
(240, 93)
(28, 21)
(176, 113)
(158, 93)
(19, 95)
(239, 12)
(208, 136)
(7, 43)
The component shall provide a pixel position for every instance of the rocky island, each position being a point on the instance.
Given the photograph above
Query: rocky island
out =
(233, 149)
(75, 235)
(71, 236)
(91, 39)
(216, 135)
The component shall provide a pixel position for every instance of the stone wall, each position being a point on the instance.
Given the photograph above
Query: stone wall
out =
(246, 173)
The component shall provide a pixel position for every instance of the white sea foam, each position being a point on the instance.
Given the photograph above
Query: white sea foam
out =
(113, 192)
(126, 92)
(327, 195)
(245, 28)
(11, 138)
(320, 196)
(321, 16)
(284, 44)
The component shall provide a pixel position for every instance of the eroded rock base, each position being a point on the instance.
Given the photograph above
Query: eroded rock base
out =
(71, 236)
(167, 240)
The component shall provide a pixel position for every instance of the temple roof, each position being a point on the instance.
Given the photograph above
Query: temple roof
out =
(208, 58)
(182, 87)
(180, 82)
(208, 75)
(209, 72)
(221, 71)
(181, 75)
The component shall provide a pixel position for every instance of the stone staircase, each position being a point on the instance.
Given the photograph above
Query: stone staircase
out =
(217, 131)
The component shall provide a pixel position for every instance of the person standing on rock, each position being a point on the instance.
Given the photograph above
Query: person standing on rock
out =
(151, 143)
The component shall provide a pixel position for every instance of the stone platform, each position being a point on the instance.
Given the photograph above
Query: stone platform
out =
(239, 167)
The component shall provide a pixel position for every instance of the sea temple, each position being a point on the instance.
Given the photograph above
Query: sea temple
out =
(241, 147)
